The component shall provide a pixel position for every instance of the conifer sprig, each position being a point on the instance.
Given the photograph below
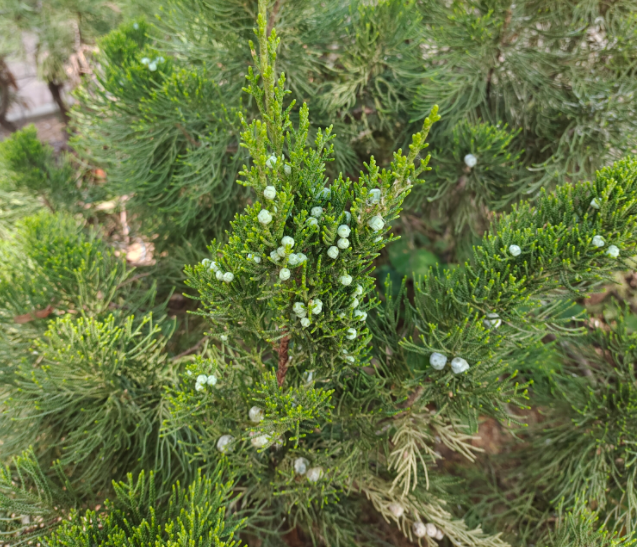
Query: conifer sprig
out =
(517, 289)
(295, 270)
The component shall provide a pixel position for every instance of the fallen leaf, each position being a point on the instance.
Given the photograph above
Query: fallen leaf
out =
(105, 206)
(33, 315)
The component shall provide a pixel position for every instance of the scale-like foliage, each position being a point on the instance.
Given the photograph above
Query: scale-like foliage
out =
(194, 516)
(337, 408)
(29, 166)
(585, 448)
(515, 288)
(561, 81)
(80, 372)
(32, 503)
(170, 140)
(288, 297)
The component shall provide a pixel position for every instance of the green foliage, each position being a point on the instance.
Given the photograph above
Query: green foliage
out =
(37, 507)
(498, 62)
(538, 95)
(579, 528)
(503, 300)
(465, 195)
(93, 399)
(80, 372)
(62, 27)
(195, 516)
(31, 503)
(335, 406)
(51, 261)
(29, 166)
(169, 142)
(274, 309)
(585, 448)
(13, 207)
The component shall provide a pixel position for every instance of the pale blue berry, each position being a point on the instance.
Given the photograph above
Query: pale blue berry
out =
(613, 251)
(598, 241)
(396, 509)
(299, 309)
(376, 223)
(256, 414)
(300, 466)
(360, 315)
(271, 162)
(269, 192)
(315, 474)
(316, 306)
(493, 321)
(374, 196)
(419, 529)
(459, 365)
(264, 217)
(437, 360)
(260, 441)
(293, 260)
(343, 230)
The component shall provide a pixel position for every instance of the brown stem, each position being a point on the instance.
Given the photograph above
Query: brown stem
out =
(133, 279)
(417, 394)
(56, 93)
(189, 350)
(7, 81)
(272, 17)
(498, 51)
(489, 78)
(187, 135)
(6, 124)
(282, 350)
(48, 204)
